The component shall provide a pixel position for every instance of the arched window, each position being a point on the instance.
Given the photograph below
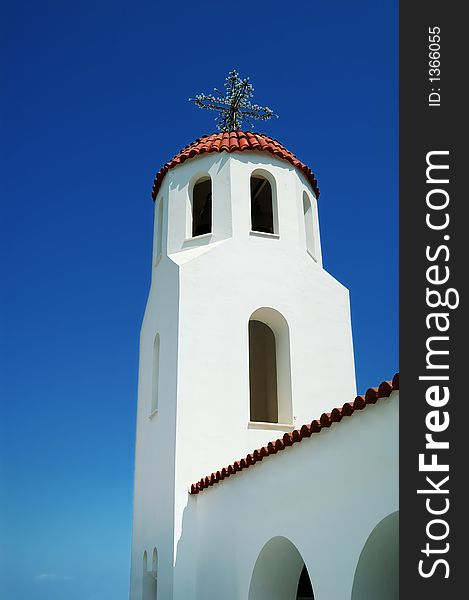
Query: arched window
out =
(201, 207)
(155, 374)
(154, 574)
(309, 224)
(263, 214)
(262, 373)
(159, 230)
(269, 368)
(149, 578)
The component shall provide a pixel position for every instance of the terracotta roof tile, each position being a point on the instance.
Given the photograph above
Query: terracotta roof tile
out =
(371, 396)
(234, 141)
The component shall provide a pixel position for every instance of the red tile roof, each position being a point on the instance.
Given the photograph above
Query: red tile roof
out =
(234, 141)
(297, 435)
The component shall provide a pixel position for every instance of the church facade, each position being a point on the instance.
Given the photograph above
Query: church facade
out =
(259, 472)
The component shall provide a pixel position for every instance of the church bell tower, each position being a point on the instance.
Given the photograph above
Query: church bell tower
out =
(244, 332)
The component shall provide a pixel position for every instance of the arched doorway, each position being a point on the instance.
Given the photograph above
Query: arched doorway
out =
(304, 590)
(377, 572)
(280, 573)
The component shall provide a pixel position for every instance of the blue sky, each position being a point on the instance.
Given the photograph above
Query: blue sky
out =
(94, 102)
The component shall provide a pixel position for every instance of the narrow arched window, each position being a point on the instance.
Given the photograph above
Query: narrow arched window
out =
(159, 230)
(262, 209)
(262, 373)
(309, 224)
(154, 574)
(145, 577)
(155, 374)
(270, 396)
(149, 577)
(202, 207)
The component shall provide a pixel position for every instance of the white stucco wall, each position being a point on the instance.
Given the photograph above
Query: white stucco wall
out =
(203, 292)
(221, 285)
(325, 494)
(153, 510)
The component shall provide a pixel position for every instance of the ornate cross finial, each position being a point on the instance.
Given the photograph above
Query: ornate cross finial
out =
(235, 105)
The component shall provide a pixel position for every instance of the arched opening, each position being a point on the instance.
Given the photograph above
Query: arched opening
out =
(154, 573)
(149, 578)
(280, 573)
(262, 373)
(304, 590)
(159, 230)
(263, 213)
(377, 572)
(269, 368)
(201, 207)
(155, 374)
(309, 224)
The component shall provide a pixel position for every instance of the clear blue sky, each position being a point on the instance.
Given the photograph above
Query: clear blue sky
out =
(94, 102)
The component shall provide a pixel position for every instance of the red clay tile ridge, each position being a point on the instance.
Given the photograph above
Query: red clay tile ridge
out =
(297, 435)
(234, 141)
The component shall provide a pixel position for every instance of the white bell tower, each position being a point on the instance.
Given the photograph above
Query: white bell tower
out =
(245, 336)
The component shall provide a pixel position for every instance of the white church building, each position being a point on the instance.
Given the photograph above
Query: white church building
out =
(259, 472)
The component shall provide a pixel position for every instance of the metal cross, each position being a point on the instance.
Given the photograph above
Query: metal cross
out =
(235, 105)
